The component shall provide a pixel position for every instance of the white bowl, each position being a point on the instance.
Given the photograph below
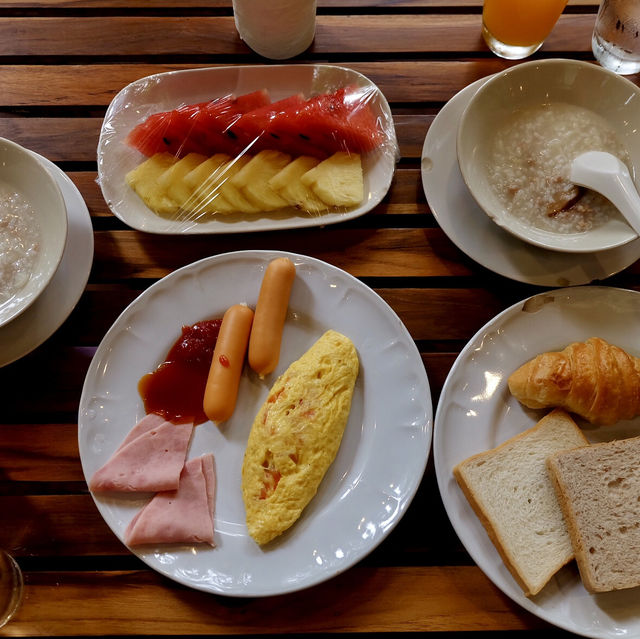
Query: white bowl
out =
(23, 174)
(535, 83)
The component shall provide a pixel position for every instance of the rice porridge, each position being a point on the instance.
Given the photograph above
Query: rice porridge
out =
(531, 159)
(19, 242)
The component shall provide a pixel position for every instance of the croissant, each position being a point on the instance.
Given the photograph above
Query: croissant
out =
(593, 379)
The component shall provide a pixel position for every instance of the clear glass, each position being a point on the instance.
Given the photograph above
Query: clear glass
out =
(515, 29)
(10, 587)
(616, 36)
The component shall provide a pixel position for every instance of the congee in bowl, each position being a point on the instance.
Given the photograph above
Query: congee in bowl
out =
(519, 135)
(33, 229)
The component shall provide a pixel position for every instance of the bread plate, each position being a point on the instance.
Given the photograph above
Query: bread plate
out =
(476, 412)
(166, 91)
(378, 467)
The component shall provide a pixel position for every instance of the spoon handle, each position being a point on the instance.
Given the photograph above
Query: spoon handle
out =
(606, 174)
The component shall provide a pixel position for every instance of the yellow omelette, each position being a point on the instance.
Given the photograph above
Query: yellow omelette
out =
(296, 435)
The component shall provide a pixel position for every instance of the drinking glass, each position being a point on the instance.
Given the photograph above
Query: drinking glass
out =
(616, 41)
(276, 29)
(10, 587)
(514, 29)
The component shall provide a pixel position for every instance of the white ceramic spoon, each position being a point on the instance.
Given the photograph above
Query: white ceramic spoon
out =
(606, 174)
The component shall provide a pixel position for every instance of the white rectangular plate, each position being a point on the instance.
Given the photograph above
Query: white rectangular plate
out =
(166, 91)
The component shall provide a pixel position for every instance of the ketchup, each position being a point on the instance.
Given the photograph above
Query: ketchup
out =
(175, 389)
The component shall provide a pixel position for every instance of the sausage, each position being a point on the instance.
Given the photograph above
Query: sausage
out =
(271, 312)
(229, 353)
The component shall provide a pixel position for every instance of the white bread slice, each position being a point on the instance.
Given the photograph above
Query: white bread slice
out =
(599, 491)
(510, 490)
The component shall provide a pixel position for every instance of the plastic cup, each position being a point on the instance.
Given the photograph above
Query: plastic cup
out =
(616, 36)
(10, 587)
(276, 29)
(514, 29)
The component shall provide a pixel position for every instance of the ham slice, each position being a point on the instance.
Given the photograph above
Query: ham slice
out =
(184, 515)
(150, 459)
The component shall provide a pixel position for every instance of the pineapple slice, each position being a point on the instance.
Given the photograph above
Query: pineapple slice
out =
(144, 181)
(287, 183)
(172, 180)
(253, 180)
(338, 180)
(204, 182)
(198, 175)
(230, 192)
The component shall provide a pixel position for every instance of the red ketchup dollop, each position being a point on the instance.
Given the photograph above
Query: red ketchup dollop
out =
(175, 389)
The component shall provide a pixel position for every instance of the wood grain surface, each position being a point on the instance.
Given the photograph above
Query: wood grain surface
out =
(62, 62)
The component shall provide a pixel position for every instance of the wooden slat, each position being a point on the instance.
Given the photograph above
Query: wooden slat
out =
(361, 252)
(407, 82)
(360, 600)
(57, 525)
(226, 4)
(151, 35)
(27, 453)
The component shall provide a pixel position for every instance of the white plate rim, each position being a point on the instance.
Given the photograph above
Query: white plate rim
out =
(113, 162)
(415, 435)
(508, 417)
(471, 230)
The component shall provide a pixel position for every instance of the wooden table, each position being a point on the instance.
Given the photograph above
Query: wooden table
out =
(62, 63)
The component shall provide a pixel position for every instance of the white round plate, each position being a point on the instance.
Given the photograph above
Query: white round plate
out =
(378, 467)
(473, 232)
(166, 91)
(36, 324)
(476, 412)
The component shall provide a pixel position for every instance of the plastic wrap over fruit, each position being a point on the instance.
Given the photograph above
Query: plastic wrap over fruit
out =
(246, 148)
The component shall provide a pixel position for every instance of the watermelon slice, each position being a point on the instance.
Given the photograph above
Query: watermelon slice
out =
(261, 129)
(318, 127)
(339, 121)
(196, 128)
(166, 132)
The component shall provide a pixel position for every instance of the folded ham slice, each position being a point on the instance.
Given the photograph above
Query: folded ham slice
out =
(150, 459)
(184, 515)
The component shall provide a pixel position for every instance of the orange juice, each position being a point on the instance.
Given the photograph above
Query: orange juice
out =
(521, 23)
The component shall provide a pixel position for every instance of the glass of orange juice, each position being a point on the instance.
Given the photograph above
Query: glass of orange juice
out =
(515, 29)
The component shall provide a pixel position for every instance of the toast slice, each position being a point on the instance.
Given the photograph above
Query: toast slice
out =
(599, 492)
(509, 488)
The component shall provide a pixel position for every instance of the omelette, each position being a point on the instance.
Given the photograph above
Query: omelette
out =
(296, 435)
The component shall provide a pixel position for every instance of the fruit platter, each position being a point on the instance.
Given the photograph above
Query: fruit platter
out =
(245, 149)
